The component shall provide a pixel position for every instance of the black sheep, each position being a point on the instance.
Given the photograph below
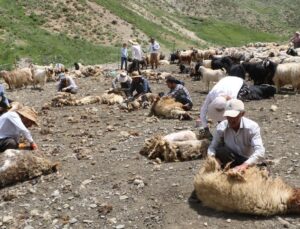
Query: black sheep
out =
(174, 57)
(237, 70)
(257, 72)
(292, 52)
(223, 62)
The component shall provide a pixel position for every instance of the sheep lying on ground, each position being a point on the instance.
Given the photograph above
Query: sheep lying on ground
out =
(181, 146)
(143, 101)
(17, 78)
(254, 192)
(209, 75)
(67, 99)
(18, 166)
(111, 98)
(167, 107)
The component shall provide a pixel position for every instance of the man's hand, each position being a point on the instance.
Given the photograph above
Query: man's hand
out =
(64, 89)
(241, 168)
(33, 146)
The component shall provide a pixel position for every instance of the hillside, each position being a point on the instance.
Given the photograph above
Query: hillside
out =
(91, 31)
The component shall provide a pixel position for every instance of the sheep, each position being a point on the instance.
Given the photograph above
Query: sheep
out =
(164, 62)
(185, 57)
(253, 192)
(237, 70)
(111, 98)
(174, 56)
(295, 59)
(17, 78)
(68, 99)
(210, 75)
(181, 146)
(167, 107)
(40, 76)
(283, 74)
(257, 72)
(221, 62)
(18, 166)
(143, 101)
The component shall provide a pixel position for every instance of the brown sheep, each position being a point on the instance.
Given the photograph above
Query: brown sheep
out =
(17, 78)
(253, 193)
(18, 166)
(185, 57)
(167, 107)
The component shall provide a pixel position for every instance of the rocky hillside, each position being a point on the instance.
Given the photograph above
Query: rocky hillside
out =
(91, 31)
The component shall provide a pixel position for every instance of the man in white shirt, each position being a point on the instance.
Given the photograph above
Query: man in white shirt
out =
(237, 139)
(124, 81)
(137, 55)
(13, 125)
(154, 53)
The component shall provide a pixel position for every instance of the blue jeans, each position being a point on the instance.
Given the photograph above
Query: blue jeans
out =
(123, 61)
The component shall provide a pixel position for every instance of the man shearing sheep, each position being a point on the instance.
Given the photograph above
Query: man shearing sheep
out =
(237, 140)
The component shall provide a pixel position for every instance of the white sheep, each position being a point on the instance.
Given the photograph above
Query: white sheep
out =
(40, 76)
(287, 74)
(210, 75)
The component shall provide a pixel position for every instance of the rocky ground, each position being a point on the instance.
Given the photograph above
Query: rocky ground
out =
(103, 182)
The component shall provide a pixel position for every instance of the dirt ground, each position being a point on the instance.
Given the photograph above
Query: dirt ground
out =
(75, 196)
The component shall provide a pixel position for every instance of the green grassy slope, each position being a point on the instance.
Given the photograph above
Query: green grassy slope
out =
(42, 46)
(217, 22)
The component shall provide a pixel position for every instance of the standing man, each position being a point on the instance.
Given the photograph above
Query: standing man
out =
(154, 53)
(296, 40)
(179, 93)
(137, 55)
(124, 56)
(13, 124)
(237, 139)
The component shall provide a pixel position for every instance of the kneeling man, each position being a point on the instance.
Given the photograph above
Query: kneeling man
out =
(237, 139)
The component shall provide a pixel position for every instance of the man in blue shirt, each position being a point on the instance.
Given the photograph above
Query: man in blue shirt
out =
(4, 102)
(139, 84)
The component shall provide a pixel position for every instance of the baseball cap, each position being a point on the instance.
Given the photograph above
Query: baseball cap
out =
(233, 108)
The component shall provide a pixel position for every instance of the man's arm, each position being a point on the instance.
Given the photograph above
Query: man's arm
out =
(72, 84)
(217, 140)
(114, 83)
(258, 148)
(204, 110)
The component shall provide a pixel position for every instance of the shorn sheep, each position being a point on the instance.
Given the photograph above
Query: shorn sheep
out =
(18, 166)
(209, 75)
(253, 193)
(167, 107)
(181, 146)
(67, 99)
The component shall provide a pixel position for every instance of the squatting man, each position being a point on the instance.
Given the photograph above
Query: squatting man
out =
(237, 140)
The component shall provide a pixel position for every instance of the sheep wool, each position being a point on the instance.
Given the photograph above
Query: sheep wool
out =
(18, 166)
(253, 193)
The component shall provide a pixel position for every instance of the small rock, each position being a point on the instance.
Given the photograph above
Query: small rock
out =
(120, 226)
(285, 223)
(87, 221)
(112, 220)
(123, 197)
(274, 108)
(205, 224)
(7, 219)
(34, 212)
(55, 193)
(93, 205)
(73, 221)
(228, 220)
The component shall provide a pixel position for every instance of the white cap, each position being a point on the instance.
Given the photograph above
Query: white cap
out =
(234, 108)
(216, 109)
(123, 77)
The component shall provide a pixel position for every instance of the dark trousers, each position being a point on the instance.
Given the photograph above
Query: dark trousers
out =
(226, 155)
(185, 101)
(123, 62)
(8, 143)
